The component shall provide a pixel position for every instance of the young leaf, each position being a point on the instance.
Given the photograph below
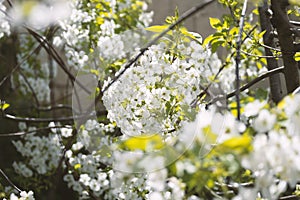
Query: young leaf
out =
(144, 142)
(214, 22)
(157, 28)
(3, 105)
(297, 56)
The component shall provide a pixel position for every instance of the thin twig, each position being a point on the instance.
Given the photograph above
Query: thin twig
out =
(9, 181)
(213, 193)
(271, 48)
(45, 120)
(256, 80)
(205, 90)
(31, 89)
(258, 56)
(248, 85)
(18, 65)
(52, 51)
(296, 23)
(9, 3)
(290, 197)
(238, 59)
(21, 133)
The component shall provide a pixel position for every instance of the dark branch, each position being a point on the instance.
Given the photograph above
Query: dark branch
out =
(275, 82)
(280, 21)
(28, 132)
(290, 197)
(52, 52)
(238, 58)
(9, 181)
(45, 120)
(248, 85)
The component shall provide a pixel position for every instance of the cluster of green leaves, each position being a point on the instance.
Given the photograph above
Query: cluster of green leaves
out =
(126, 18)
(175, 37)
(225, 36)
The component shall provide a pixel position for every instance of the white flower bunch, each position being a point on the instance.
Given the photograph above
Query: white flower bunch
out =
(91, 179)
(22, 196)
(94, 37)
(278, 167)
(4, 25)
(125, 186)
(43, 154)
(35, 73)
(155, 94)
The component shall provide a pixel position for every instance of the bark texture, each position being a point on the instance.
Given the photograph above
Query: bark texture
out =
(281, 22)
(268, 38)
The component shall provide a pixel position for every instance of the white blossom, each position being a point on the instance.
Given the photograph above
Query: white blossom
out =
(265, 121)
(4, 24)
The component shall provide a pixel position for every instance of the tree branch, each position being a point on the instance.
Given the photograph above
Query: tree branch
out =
(275, 82)
(54, 54)
(290, 197)
(248, 85)
(295, 23)
(28, 132)
(238, 58)
(45, 120)
(9, 181)
(280, 21)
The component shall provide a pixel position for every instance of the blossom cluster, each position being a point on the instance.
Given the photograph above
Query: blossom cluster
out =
(155, 94)
(95, 35)
(278, 168)
(91, 180)
(214, 135)
(4, 25)
(41, 152)
(23, 196)
(91, 174)
(35, 74)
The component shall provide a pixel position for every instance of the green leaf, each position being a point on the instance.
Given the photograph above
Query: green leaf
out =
(208, 40)
(297, 56)
(234, 31)
(143, 142)
(195, 36)
(255, 11)
(261, 94)
(214, 22)
(260, 35)
(216, 43)
(259, 65)
(4, 105)
(157, 28)
(77, 166)
(239, 145)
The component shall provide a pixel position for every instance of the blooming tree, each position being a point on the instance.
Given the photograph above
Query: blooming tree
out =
(148, 111)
